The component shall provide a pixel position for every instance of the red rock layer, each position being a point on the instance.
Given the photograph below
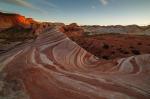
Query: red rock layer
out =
(72, 30)
(10, 20)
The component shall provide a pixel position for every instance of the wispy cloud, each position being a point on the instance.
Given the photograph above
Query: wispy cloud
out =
(104, 2)
(48, 3)
(93, 7)
(29, 5)
(21, 3)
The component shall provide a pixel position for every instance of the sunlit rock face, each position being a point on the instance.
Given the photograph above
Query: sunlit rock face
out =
(54, 67)
(8, 20)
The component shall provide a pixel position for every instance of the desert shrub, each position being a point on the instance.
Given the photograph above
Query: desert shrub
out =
(113, 52)
(105, 46)
(131, 47)
(44, 26)
(112, 46)
(105, 57)
(139, 43)
(125, 52)
(122, 51)
(15, 33)
(136, 52)
(119, 49)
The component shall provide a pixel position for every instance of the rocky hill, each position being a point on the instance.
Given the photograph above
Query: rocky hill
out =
(130, 29)
(72, 30)
(8, 20)
(16, 29)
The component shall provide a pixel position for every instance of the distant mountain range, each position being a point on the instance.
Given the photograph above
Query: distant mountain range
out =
(130, 29)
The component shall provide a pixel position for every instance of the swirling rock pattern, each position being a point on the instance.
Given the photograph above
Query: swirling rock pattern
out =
(54, 67)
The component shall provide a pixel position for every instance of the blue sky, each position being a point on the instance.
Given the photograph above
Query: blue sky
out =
(83, 12)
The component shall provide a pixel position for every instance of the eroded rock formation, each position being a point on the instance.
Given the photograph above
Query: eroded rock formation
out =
(15, 29)
(54, 67)
(8, 20)
(72, 30)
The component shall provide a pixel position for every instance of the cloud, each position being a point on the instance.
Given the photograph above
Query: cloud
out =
(31, 6)
(93, 7)
(104, 2)
(21, 3)
(46, 2)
